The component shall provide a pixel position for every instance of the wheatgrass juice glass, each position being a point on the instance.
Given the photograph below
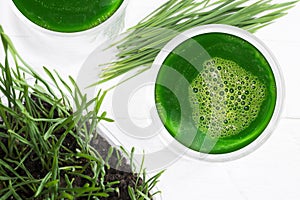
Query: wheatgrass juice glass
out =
(218, 92)
(102, 18)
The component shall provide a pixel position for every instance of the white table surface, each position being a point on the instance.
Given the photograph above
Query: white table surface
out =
(271, 172)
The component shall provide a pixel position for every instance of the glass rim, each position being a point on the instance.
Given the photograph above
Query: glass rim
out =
(179, 148)
(92, 30)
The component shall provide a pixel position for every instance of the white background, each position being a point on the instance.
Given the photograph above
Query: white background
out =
(271, 172)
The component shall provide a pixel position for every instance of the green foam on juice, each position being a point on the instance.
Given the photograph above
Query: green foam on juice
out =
(215, 93)
(225, 98)
(67, 15)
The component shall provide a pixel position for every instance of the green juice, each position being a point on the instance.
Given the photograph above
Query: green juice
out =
(215, 93)
(67, 15)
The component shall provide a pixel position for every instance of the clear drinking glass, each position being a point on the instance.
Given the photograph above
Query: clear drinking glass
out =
(259, 45)
(103, 31)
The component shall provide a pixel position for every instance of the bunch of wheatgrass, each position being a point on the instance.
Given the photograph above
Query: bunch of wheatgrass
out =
(45, 150)
(144, 41)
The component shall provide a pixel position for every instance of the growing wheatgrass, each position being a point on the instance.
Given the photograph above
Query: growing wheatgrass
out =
(141, 43)
(36, 118)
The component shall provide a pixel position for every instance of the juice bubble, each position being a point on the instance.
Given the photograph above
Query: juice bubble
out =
(228, 98)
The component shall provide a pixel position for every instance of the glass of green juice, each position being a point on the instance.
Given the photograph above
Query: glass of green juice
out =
(77, 17)
(218, 92)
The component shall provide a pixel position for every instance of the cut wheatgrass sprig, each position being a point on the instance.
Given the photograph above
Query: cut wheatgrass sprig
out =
(142, 42)
(45, 150)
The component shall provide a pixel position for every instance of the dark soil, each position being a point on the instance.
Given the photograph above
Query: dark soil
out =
(118, 171)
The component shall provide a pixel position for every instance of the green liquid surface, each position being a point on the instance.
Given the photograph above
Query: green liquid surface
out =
(215, 93)
(67, 15)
